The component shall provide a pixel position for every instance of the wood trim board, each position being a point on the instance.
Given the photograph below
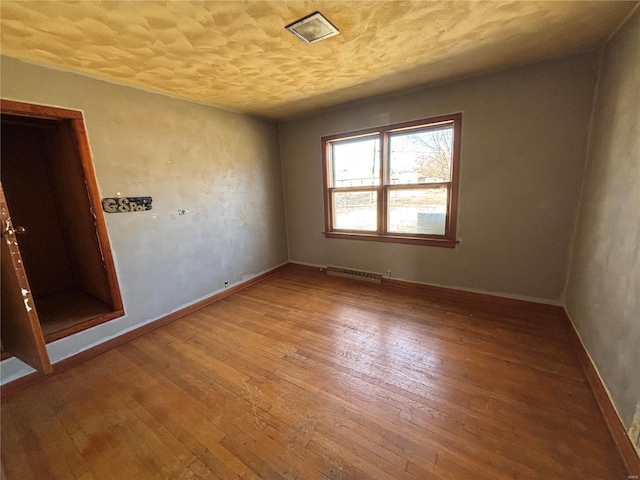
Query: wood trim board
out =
(38, 111)
(474, 296)
(620, 437)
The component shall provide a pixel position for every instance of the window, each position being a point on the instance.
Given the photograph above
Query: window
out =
(397, 183)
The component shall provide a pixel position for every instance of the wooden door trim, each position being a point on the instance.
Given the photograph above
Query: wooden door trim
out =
(12, 107)
(80, 135)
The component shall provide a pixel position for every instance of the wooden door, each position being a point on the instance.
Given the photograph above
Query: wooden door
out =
(20, 329)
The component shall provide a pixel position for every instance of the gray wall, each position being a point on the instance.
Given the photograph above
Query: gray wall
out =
(603, 293)
(223, 167)
(524, 137)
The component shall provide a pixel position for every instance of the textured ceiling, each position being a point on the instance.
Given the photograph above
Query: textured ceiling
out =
(237, 54)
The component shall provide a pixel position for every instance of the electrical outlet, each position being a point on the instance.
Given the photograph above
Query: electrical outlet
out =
(388, 273)
(226, 284)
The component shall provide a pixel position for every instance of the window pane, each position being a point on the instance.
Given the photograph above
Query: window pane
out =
(356, 162)
(355, 211)
(419, 210)
(421, 156)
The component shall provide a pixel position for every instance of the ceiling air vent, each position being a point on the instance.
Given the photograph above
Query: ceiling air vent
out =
(312, 28)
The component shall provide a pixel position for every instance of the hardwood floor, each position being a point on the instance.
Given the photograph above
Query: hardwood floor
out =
(314, 377)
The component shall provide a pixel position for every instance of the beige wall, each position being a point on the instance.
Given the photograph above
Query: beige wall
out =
(223, 167)
(524, 136)
(603, 293)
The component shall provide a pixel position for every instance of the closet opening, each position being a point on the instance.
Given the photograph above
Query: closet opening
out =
(53, 210)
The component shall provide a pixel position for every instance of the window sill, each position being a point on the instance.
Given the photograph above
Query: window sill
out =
(432, 242)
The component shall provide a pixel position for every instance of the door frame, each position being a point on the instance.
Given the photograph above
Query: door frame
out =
(76, 121)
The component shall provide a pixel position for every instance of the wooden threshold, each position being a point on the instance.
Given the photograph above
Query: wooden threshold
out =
(62, 365)
(611, 417)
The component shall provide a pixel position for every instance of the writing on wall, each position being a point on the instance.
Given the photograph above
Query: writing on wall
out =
(126, 204)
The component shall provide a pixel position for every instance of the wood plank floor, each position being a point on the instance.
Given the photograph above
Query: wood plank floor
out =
(314, 377)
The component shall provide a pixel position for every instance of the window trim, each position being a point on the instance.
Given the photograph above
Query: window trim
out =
(448, 240)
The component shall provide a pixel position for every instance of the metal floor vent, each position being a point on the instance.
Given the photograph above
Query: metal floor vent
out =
(356, 274)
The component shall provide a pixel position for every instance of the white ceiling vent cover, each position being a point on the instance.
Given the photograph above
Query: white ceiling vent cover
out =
(313, 28)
